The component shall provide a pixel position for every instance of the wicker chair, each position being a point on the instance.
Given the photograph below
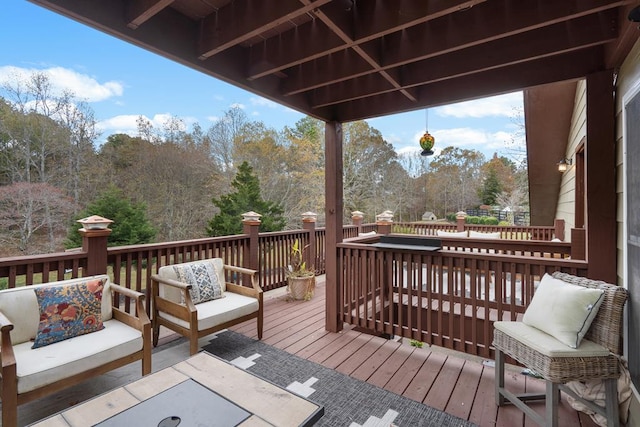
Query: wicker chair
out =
(595, 358)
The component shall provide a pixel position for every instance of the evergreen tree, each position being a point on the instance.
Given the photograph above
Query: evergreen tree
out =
(490, 188)
(246, 198)
(130, 225)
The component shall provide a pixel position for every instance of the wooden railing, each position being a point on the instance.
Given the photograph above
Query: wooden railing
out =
(128, 264)
(448, 298)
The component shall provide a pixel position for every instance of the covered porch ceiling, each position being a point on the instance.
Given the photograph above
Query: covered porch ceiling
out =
(345, 60)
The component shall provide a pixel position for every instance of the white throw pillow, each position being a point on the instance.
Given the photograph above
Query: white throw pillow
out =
(563, 310)
(442, 233)
(481, 235)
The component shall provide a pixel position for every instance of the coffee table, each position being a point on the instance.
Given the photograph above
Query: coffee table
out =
(197, 390)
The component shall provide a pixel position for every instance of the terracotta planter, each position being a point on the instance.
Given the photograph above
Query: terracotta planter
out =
(301, 288)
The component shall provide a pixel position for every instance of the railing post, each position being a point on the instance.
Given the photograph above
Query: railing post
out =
(94, 234)
(356, 219)
(251, 226)
(559, 229)
(460, 220)
(309, 224)
(578, 244)
(384, 221)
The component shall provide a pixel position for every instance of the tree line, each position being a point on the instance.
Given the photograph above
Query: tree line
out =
(175, 183)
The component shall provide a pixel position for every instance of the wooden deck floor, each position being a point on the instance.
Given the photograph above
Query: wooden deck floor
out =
(454, 382)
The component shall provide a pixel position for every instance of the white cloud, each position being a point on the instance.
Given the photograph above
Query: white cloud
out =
(128, 124)
(262, 102)
(237, 105)
(213, 118)
(497, 106)
(63, 79)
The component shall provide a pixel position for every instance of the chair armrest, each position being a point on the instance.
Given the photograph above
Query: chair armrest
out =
(139, 320)
(170, 282)
(246, 271)
(126, 291)
(181, 311)
(6, 355)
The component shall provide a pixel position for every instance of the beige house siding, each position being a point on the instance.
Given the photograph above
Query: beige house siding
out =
(628, 83)
(566, 199)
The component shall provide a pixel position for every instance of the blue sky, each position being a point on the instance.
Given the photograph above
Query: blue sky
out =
(121, 82)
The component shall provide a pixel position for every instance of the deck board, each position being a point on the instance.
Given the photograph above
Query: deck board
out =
(466, 387)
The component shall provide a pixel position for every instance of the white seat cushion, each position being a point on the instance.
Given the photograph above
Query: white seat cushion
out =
(45, 365)
(218, 311)
(442, 233)
(483, 235)
(547, 345)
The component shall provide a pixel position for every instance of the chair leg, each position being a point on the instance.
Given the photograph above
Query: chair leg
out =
(156, 332)
(499, 377)
(552, 397)
(611, 402)
(193, 343)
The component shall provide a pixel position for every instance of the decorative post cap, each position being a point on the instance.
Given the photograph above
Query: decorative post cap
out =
(461, 215)
(357, 214)
(251, 216)
(95, 222)
(309, 216)
(385, 216)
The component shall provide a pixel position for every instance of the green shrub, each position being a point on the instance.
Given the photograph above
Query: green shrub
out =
(4, 283)
(489, 220)
(473, 220)
(504, 223)
(451, 217)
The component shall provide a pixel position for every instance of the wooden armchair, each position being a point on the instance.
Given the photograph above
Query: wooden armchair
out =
(595, 357)
(195, 300)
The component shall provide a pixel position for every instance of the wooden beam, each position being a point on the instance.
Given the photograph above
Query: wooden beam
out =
(334, 214)
(600, 185)
(241, 21)
(139, 11)
(444, 60)
(536, 44)
(570, 66)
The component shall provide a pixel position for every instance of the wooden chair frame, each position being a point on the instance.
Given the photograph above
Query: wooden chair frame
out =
(10, 397)
(188, 311)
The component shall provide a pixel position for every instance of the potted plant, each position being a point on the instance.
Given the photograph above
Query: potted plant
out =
(301, 281)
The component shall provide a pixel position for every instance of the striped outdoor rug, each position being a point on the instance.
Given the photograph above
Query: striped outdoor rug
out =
(347, 401)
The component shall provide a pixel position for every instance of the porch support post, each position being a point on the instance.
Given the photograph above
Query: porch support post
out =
(600, 159)
(334, 207)
(94, 243)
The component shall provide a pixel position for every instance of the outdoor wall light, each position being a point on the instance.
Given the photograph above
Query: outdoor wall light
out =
(564, 164)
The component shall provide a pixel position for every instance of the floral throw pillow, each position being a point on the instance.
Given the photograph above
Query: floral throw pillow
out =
(205, 285)
(67, 311)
